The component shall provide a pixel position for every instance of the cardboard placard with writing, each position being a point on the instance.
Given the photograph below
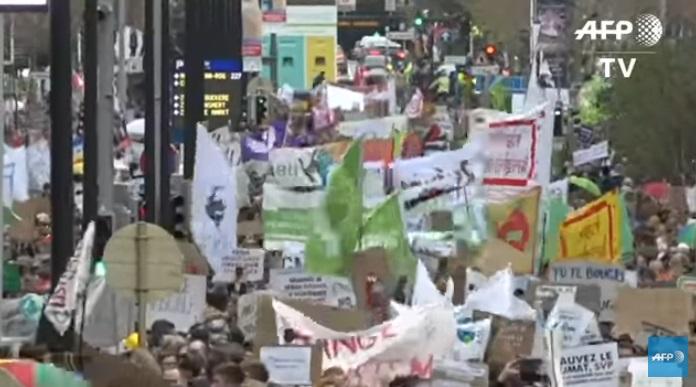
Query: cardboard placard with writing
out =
(653, 310)
(373, 261)
(509, 339)
(587, 296)
(23, 231)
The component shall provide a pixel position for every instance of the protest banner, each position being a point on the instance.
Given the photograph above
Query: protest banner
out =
(288, 215)
(294, 167)
(608, 277)
(596, 152)
(404, 346)
(586, 366)
(593, 232)
(288, 365)
(381, 128)
(184, 308)
(641, 313)
(325, 290)
(251, 260)
(512, 151)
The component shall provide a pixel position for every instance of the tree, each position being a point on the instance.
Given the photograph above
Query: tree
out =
(652, 116)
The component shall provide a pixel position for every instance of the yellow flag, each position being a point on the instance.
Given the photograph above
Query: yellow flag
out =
(513, 221)
(593, 232)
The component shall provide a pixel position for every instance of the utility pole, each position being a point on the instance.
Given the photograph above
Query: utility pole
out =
(165, 120)
(193, 100)
(122, 77)
(153, 124)
(2, 157)
(105, 106)
(62, 195)
(91, 133)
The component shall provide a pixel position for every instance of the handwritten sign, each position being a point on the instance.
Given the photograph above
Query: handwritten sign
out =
(325, 290)
(587, 366)
(251, 260)
(185, 308)
(291, 365)
(607, 277)
(511, 152)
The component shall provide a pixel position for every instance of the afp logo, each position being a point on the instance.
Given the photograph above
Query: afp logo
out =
(646, 31)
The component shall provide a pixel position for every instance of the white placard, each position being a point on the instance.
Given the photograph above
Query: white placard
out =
(291, 365)
(185, 308)
(293, 255)
(294, 167)
(595, 152)
(325, 290)
(608, 277)
(512, 152)
(587, 366)
(250, 259)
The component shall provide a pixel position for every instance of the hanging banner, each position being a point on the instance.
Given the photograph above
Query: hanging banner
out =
(213, 204)
(511, 152)
(593, 232)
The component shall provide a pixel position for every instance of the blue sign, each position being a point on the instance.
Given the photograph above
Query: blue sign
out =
(223, 65)
(668, 357)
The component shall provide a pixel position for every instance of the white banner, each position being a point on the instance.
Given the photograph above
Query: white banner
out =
(608, 277)
(373, 128)
(64, 299)
(405, 346)
(294, 167)
(250, 259)
(214, 204)
(595, 152)
(325, 290)
(184, 308)
(587, 366)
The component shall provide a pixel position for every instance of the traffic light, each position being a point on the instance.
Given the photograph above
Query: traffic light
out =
(261, 109)
(558, 121)
(418, 22)
(490, 50)
(178, 204)
(104, 227)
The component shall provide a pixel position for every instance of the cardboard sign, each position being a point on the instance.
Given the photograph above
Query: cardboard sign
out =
(325, 290)
(595, 152)
(687, 284)
(289, 365)
(249, 259)
(509, 339)
(548, 293)
(587, 366)
(184, 308)
(608, 277)
(653, 310)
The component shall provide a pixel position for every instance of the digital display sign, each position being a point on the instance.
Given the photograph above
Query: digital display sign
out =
(219, 79)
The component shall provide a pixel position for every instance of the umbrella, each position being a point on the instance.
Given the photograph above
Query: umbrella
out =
(586, 184)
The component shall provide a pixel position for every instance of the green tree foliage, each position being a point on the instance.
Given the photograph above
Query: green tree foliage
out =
(653, 113)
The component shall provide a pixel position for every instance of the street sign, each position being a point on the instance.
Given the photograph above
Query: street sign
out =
(401, 35)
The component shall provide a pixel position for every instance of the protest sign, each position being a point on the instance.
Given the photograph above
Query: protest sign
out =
(472, 340)
(638, 368)
(293, 255)
(559, 190)
(594, 231)
(184, 308)
(325, 290)
(512, 152)
(644, 312)
(595, 152)
(510, 339)
(687, 284)
(576, 324)
(548, 293)
(251, 260)
(607, 277)
(289, 365)
(404, 346)
(294, 167)
(587, 366)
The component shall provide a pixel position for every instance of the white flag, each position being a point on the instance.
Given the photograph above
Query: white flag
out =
(213, 203)
(65, 297)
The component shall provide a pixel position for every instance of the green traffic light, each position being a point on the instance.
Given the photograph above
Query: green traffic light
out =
(418, 21)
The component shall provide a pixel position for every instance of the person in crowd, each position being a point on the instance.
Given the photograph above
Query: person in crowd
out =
(255, 370)
(228, 375)
(143, 359)
(192, 368)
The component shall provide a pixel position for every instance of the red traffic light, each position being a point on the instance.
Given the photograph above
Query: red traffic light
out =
(490, 49)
